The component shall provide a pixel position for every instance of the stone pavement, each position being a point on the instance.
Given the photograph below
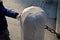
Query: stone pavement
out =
(14, 29)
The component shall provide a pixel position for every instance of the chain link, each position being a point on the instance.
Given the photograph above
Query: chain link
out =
(52, 31)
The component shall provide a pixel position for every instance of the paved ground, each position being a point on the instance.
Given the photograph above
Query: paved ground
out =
(14, 29)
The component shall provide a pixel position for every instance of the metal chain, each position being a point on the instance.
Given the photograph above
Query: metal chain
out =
(52, 31)
(49, 29)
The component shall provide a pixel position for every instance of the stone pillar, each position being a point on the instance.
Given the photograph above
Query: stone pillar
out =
(33, 23)
(58, 18)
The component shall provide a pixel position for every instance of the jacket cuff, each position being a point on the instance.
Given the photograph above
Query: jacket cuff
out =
(16, 15)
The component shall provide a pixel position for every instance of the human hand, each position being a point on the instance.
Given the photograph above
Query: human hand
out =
(18, 16)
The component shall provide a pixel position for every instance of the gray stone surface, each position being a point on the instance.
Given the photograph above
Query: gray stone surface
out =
(33, 23)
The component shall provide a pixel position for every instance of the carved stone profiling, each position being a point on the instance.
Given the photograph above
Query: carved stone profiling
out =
(33, 21)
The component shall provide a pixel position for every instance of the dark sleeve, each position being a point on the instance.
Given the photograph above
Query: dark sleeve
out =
(10, 13)
(7, 12)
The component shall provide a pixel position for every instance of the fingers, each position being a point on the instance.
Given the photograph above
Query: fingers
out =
(18, 16)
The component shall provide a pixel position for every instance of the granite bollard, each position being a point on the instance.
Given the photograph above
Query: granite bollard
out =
(32, 22)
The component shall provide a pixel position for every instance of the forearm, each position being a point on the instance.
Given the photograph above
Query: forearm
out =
(7, 12)
(10, 13)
